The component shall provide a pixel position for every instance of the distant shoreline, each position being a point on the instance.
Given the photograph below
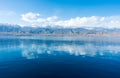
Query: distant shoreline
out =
(72, 35)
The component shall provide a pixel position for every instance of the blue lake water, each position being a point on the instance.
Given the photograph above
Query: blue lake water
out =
(59, 57)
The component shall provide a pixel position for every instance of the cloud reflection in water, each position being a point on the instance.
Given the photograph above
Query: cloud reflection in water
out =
(32, 51)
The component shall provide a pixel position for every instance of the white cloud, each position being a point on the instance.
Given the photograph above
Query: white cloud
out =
(30, 17)
(35, 19)
(91, 21)
(51, 18)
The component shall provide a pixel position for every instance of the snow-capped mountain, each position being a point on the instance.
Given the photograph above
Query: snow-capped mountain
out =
(14, 29)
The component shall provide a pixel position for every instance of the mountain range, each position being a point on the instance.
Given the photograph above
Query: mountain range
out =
(9, 29)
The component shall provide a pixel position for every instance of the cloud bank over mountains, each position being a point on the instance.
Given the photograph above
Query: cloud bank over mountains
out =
(91, 21)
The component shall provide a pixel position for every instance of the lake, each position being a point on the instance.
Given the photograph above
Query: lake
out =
(59, 57)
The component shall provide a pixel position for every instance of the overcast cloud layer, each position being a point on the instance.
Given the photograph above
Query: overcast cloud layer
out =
(35, 19)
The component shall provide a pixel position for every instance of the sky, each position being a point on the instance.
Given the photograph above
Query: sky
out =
(62, 13)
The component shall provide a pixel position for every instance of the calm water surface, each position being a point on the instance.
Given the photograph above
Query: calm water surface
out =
(59, 57)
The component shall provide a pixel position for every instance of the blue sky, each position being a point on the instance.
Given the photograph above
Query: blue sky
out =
(47, 12)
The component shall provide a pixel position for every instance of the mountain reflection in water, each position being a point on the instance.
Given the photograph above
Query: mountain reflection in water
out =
(85, 53)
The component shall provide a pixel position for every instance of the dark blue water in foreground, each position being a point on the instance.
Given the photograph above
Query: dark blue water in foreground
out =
(59, 57)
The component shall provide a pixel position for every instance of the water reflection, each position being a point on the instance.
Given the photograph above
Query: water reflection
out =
(31, 49)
